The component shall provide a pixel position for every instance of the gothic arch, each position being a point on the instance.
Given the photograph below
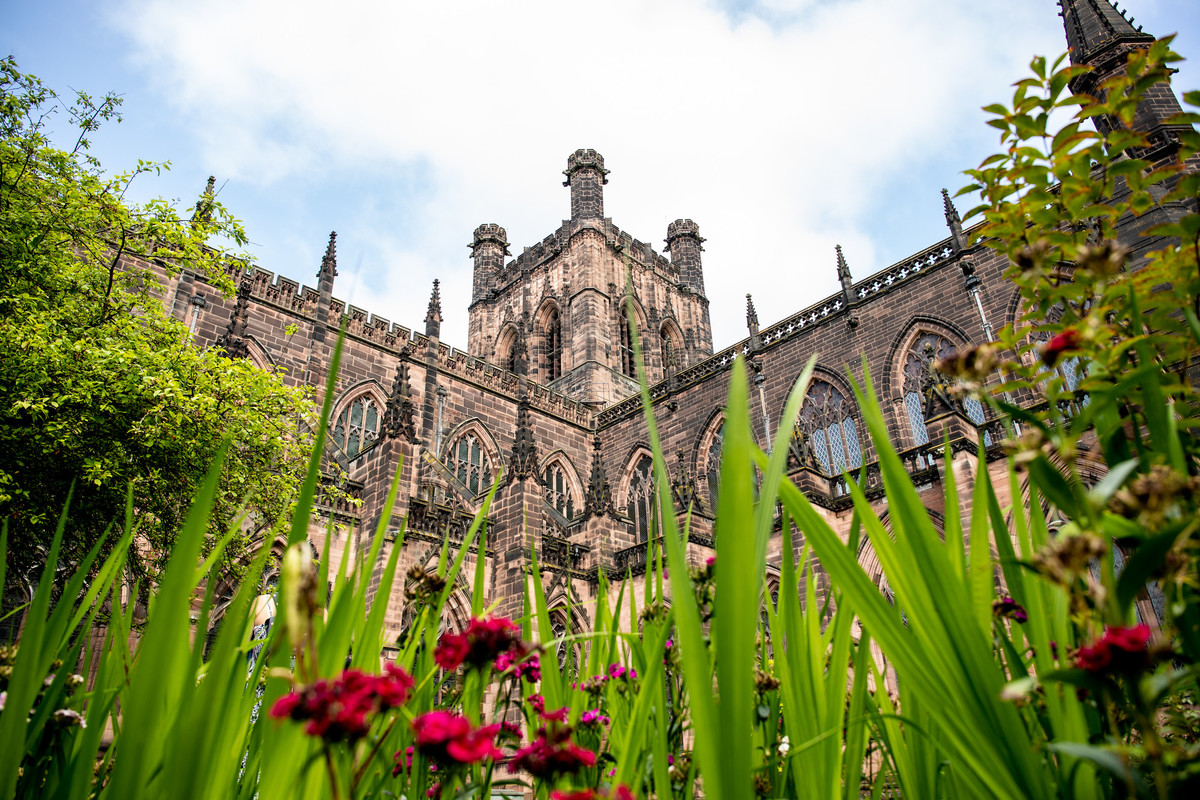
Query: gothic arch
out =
(550, 327)
(829, 431)
(503, 354)
(357, 418)
(469, 430)
(670, 337)
(624, 344)
(914, 390)
(893, 381)
(557, 463)
(638, 491)
(708, 459)
(259, 356)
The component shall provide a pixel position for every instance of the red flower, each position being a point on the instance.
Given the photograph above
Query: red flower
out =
(551, 754)
(1131, 640)
(1095, 658)
(448, 738)
(1121, 648)
(341, 709)
(475, 745)
(480, 644)
(556, 716)
(1065, 341)
(451, 651)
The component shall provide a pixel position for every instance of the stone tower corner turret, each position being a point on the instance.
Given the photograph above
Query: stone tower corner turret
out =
(489, 247)
(683, 243)
(586, 176)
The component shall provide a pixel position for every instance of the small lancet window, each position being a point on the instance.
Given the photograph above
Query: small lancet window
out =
(470, 463)
(558, 491)
(553, 346)
(628, 364)
(641, 503)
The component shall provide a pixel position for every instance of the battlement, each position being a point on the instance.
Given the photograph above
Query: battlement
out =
(639, 252)
(880, 283)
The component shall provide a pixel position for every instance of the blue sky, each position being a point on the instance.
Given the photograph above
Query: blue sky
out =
(782, 127)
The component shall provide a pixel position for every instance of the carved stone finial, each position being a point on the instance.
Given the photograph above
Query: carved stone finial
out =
(954, 222)
(203, 212)
(524, 453)
(398, 419)
(683, 483)
(433, 317)
(328, 268)
(752, 321)
(843, 269)
(598, 500)
(233, 341)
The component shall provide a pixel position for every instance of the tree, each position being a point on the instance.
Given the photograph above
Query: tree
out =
(102, 395)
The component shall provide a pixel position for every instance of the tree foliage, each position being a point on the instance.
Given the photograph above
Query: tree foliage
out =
(102, 394)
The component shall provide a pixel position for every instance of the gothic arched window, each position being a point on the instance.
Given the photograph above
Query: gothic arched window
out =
(712, 466)
(925, 390)
(628, 365)
(357, 425)
(470, 463)
(668, 351)
(558, 491)
(826, 432)
(553, 346)
(640, 503)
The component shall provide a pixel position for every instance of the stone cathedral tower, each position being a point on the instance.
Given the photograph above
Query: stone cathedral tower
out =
(557, 313)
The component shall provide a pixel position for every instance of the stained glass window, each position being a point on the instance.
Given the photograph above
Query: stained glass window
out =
(357, 426)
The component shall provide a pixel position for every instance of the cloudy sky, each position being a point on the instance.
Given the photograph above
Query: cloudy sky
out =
(783, 127)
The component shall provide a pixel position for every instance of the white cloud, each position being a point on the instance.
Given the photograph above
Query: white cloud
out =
(774, 126)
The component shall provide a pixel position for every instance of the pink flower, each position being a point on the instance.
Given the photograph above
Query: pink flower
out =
(452, 650)
(1067, 340)
(481, 643)
(342, 709)
(592, 717)
(1120, 648)
(552, 754)
(556, 716)
(449, 738)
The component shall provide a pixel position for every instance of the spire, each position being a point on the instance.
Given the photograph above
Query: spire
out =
(329, 260)
(752, 322)
(398, 416)
(598, 500)
(1095, 27)
(433, 317)
(203, 212)
(954, 222)
(233, 341)
(843, 269)
(524, 453)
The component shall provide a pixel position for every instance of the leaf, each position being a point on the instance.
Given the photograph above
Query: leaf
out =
(1107, 760)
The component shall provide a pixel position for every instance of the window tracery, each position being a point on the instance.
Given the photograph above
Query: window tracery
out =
(553, 346)
(926, 391)
(712, 466)
(641, 499)
(826, 431)
(470, 463)
(558, 491)
(628, 365)
(357, 426)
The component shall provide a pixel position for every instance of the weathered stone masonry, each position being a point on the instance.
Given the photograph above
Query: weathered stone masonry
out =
(544, 396)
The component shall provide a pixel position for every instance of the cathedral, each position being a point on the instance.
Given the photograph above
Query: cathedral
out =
(544, 397)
